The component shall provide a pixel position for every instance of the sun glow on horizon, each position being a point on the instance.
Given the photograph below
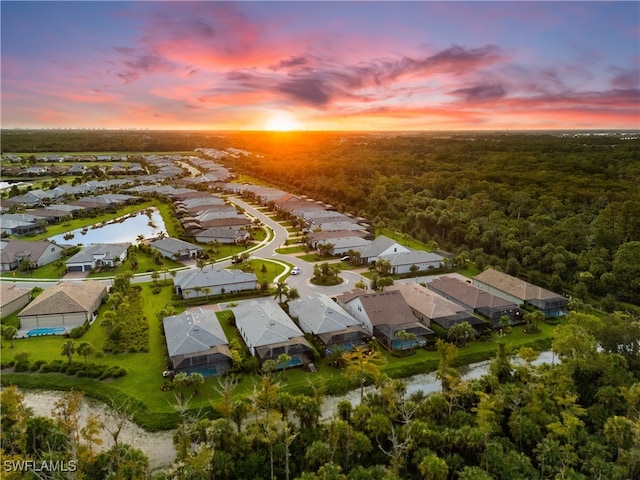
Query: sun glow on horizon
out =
(283, 122)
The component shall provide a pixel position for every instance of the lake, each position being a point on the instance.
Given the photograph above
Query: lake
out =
(119, 230)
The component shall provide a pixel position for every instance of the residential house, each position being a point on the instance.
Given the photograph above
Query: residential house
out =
(98, 255)
(430, 307)
(175, 248)
(51, 215)
(328, 321)
(225, 235)
(13, 298)
(20, 228)
(402, 262)
(379, 247)
(476, 300)
(386, 315)
(196, 343)
(518, 291)
(41, 252)
(196, 283)
(65, 305)
(28, 199)
(238, 221)
(342, 245)
(269, 332)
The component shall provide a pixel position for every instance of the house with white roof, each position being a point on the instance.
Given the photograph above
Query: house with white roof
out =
(175, 248)
(269, 332)
(196, 343)
(401, 262)
(98, 255)
(332, 324)
(379, 247)
(192, 283)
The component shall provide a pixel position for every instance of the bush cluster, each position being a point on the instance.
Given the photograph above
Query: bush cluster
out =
(89, 370)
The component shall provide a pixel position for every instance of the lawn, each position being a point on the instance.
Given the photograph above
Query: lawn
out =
(255, 265)
(146, 263)
(290, 250)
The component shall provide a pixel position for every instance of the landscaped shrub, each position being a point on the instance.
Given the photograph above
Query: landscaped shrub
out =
(7, 364)
(22, 366)
(78, 331)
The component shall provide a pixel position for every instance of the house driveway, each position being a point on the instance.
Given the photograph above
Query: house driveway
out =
(75, 275)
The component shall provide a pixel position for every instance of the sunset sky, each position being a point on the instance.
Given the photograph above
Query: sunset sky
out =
(321, 65)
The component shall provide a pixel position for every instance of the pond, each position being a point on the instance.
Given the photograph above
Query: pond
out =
(119, 230)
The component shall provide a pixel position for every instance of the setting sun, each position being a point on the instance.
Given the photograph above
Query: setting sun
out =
(282, 122)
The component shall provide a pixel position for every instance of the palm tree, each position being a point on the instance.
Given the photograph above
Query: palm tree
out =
(283, 359)
(363, 365)
(9, 333)
(68, 349)
(281, 290)
(181, 380)
(461, 333)
(140, 238)
(86, 349)
(196, 380)
(292, 294)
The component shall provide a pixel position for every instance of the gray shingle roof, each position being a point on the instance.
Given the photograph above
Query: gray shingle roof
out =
(208, 278)
(107, 251)
(193, 332)
(414, 257)
(264, 323)
(319, 314)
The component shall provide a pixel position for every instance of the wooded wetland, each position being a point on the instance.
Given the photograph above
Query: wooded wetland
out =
(561, 210)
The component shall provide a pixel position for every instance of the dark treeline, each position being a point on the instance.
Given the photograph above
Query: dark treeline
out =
(560, 210)
(563, 211)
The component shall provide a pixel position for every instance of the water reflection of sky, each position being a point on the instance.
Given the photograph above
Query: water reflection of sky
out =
(124, 231)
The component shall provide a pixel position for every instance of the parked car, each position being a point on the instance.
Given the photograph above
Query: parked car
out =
(346, 258)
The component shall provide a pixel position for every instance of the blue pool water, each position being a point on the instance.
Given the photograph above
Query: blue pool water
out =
(45, 331)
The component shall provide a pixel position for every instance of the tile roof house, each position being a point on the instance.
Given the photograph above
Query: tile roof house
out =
(175, 248)
(41, 252)
(521, 292)
(401, 262)
(333, 325)
(386, 314)
(13, 298)
(196, 343)
(65, 305)
(189, 284)
(430, 307)
(476, 300)
(381, 246)
(269, 332)
(98, 255)
(222, 235)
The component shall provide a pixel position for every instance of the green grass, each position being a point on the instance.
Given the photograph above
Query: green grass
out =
(272, 269)
(470, 270)
(405, 240)
(146, 263)
(290, 250)
(46, 271)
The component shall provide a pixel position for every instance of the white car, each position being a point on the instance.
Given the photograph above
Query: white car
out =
(295, 270)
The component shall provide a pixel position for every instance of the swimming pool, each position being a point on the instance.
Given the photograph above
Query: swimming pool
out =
(45, 331)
